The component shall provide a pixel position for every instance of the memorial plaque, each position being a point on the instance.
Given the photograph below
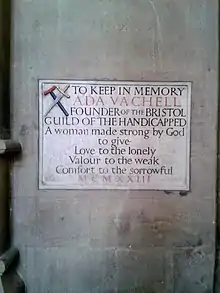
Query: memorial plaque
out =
(114, 135)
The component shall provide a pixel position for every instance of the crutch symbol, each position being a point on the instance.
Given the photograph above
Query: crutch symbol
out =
(57, 98)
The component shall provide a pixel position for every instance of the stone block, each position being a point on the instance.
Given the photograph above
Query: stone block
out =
(24, 225)
(142, 271)
(193, 270)
(70, 270)
(63, 221)
(147, 222)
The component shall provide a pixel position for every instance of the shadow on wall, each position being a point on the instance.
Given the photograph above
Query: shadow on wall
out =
(5, 29)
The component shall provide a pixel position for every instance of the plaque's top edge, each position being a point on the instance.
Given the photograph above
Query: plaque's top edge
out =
(127, 82)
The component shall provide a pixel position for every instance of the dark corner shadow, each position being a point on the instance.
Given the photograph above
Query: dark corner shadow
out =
(5, 32)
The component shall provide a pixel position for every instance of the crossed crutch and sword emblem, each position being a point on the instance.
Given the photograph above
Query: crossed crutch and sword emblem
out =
(57, 98)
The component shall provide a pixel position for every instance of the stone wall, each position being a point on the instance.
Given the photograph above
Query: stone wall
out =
(115, 241)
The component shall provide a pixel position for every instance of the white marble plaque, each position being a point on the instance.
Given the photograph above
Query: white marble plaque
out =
(114, 135)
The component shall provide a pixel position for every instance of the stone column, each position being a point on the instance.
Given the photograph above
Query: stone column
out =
(9, 279)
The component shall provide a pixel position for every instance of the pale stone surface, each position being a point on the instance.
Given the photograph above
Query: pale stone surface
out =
(170, 40)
